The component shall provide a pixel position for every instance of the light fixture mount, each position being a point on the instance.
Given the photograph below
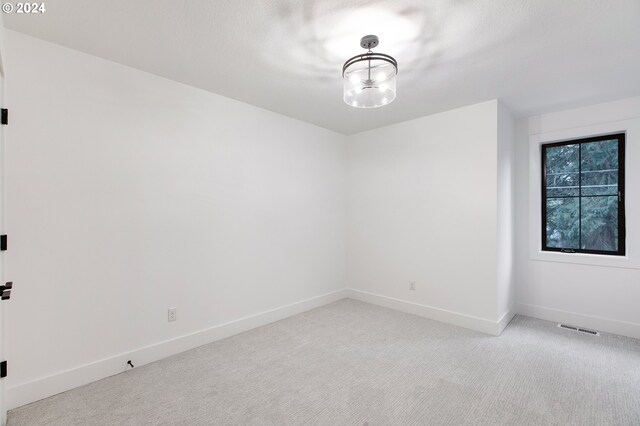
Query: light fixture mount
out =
(369, 79)
(369, 42)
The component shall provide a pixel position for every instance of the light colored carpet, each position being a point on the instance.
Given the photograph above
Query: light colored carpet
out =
(351, 363)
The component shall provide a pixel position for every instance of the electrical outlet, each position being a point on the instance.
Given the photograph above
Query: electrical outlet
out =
(412, 285)
(172, 314)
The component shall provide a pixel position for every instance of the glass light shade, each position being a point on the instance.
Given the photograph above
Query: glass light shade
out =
(369, 83)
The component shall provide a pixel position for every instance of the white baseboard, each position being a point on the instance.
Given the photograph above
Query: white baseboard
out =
(25, 393)
(483, 325)
(608, 325)
(504, 321)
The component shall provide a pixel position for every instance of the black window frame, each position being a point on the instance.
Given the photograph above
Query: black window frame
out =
(621, 137)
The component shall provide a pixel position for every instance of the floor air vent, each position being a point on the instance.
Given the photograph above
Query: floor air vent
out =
(580, 330)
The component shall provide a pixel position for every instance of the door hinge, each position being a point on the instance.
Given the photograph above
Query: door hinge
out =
(3, 369)
(3, 242)
(4, 116)
(5, 291)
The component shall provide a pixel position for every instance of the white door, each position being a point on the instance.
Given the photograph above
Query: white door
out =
(3, 412)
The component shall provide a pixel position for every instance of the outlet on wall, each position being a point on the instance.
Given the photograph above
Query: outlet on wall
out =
(172, 314)
(412, 285)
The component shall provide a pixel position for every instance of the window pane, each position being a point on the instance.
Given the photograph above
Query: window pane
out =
(563, 228)
(600, 223)
(600, 168)
(562, 167)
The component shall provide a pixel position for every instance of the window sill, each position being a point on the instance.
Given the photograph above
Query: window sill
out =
(604, 260)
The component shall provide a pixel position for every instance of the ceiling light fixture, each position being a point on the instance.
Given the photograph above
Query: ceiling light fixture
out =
(369, 78)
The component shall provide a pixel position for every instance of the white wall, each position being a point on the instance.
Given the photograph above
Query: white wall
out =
(128, 193)
(423, 206)
(505, 220)
(600, 292)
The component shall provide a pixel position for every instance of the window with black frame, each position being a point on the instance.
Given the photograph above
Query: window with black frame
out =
(583, 195)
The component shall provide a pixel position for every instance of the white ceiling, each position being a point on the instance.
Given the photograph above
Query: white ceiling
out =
(286, 55)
